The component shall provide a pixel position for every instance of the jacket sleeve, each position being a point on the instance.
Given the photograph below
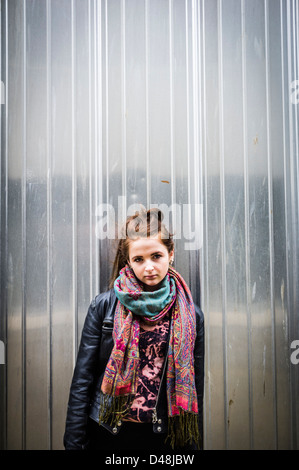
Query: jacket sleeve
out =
(199, 364)
(75, 436)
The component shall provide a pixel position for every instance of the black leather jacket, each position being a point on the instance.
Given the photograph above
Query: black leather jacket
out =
(94, 351)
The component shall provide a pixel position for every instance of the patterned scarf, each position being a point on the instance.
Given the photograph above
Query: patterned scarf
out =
(120, 379)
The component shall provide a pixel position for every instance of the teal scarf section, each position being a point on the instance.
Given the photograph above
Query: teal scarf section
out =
(145, 303)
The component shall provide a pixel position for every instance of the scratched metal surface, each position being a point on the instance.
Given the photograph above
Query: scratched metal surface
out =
(181, 103)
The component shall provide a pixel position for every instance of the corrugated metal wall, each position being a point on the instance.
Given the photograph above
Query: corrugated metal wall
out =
(178, 102)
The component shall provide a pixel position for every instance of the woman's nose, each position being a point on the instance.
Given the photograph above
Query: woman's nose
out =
(149, 267)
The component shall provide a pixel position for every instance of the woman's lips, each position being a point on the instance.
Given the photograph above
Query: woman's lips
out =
(151, 276)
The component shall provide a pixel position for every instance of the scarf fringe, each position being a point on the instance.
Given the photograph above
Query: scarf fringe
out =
(113, 409)
(183, 430)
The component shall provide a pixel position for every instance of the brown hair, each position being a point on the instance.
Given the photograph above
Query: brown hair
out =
(143, 224)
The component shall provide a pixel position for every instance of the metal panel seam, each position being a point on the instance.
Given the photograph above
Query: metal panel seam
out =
(24, 227)
(222, 212)
(246, 208)
(49, 223)
(270, 211)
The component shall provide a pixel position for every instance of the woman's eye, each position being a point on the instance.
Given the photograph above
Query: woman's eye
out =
(139, 260)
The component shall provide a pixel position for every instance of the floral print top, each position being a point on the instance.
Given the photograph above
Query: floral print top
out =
(152, 350)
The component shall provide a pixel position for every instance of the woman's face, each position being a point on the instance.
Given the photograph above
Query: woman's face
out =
(149, 259)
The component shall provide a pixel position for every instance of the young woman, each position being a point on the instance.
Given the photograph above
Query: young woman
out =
(139, 376)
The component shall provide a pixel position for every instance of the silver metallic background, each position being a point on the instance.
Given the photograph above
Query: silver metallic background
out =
(160, 101)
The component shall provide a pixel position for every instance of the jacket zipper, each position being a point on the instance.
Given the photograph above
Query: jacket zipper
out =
(154, 415)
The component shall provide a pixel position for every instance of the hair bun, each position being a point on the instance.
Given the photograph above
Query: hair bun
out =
(155, 212)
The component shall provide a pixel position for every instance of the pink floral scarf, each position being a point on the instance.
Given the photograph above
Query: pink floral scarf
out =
(120, 379)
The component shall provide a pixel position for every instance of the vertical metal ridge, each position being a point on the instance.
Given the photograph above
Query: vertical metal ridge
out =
(195, 60)
(148, 173)
(297, 147)
(49, 224)
(292, 234)
(90, 205)
(197, 173)
(24, 227)
(271, 230)
(194, 197)
(246, 208)
(6, 210)
(124, 101)
(290, 40)
(98, 123)
(296, 78)
(98, 126)
(189, 90)
(107, 100)
(188, 103)
(296, 214)
(200, 146)
(107, 105)
(172, 154)
(206, 303)
(297, 22)
(200, 111)
(222, 209)
(285, 172)
(74, 185)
